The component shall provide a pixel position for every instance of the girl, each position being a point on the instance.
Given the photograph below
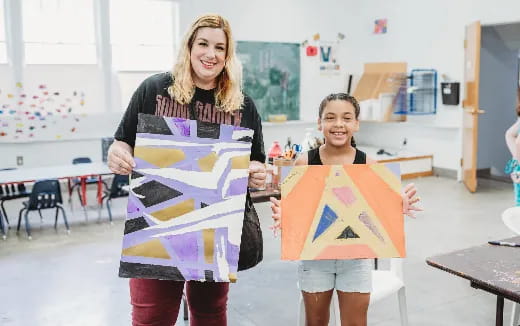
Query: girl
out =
(513, 143)
(207, 77)
(338, 120)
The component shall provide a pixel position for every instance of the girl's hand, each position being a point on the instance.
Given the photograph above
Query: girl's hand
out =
(257, 175)
(409, 200)
(277, 215)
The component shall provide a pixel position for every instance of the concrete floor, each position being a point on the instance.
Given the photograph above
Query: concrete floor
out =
(59, 279)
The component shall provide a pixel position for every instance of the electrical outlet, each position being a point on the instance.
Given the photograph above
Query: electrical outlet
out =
(19, 160)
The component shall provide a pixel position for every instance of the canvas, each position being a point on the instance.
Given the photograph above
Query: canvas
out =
(342, 212)
(187, 199)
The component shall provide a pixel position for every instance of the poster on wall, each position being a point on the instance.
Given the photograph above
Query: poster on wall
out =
(271, 77)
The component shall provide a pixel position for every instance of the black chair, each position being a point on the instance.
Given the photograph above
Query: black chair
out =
(116, 191)
(45, 194)
(10, 192)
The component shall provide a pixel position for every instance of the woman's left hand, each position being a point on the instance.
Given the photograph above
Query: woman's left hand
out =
(409, 200)
(257, 175)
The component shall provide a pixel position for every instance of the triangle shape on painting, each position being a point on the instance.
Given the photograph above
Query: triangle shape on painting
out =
(348, 233)
(328, 216)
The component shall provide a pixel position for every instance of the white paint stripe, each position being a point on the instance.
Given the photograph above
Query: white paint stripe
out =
(207, 180)
(233, 222)
(232, 204)
(216, 147)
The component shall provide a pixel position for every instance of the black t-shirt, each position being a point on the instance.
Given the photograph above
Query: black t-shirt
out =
(152, 97)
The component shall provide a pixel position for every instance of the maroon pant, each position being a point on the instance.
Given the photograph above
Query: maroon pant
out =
(156, 302)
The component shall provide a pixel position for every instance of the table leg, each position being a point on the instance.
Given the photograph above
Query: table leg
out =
(99, 190)
(500, 311)
(84, 191)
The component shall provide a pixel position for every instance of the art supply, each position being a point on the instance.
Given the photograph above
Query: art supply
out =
(275, 151)
(502, 243)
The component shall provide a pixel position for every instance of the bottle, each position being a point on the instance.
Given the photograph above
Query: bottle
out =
(275, 151)
(308, 142)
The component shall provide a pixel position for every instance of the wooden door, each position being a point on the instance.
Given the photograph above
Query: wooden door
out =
(471, 105)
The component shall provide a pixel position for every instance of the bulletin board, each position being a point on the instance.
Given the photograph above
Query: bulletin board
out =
(271, 77)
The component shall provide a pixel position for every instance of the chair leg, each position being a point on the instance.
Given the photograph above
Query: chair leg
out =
(401, 295)
(515, 313)
(5, 214)
(109, 210)
(19, 220)
(41, 216)
(56, 219)
(185, 307)
(27, 226)
(2, 227)
(65, 219)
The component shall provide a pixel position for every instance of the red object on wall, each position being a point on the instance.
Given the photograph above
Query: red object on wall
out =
(311, 51)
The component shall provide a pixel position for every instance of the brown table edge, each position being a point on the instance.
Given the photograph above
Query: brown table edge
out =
(479, 283)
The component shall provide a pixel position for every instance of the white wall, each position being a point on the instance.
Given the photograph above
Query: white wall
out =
(426, 34)
(498, 87)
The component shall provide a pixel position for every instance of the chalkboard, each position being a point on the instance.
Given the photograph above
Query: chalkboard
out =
(271, 76)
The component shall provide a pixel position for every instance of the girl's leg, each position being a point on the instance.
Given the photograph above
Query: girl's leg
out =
(316, 281)
(353, 307)
(207, 303)
(317, 307)
(155, 302)
(517, 193)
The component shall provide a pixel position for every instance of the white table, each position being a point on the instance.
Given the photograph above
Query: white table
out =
(54, 172)
(82, 171)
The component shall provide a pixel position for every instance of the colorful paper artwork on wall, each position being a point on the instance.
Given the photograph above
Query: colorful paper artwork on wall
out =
(342, 212)
(380, 26)
(311, 51)
(187, 200)
(36, 111)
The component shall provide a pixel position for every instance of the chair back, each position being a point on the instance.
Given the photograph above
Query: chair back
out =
(511, 218)
(45, 194)
(81, 160)
(116, 189)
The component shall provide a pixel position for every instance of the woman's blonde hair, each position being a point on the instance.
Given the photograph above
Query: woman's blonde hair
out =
(228, 94)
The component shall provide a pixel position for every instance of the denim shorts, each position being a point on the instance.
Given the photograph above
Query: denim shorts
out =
(344, 275)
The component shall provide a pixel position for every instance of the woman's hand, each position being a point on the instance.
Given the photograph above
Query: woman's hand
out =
(409, 200)
(277, 215)
(257, 175)
(120, 160)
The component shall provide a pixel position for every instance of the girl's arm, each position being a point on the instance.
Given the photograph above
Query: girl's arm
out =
(512, 139)
(276, 206)
(408, 195)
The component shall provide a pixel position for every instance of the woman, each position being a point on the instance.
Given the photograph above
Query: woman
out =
(207, 76)
(513, 143)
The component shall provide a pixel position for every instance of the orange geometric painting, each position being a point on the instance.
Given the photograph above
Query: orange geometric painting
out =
(342, 212)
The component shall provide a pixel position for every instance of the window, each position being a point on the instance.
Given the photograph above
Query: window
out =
(59, 31)
(3, 50)
(143, 34)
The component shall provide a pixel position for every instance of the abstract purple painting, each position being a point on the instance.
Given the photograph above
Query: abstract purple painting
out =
(186, 202)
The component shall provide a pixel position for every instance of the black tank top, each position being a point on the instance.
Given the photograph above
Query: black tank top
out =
(313, 157)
